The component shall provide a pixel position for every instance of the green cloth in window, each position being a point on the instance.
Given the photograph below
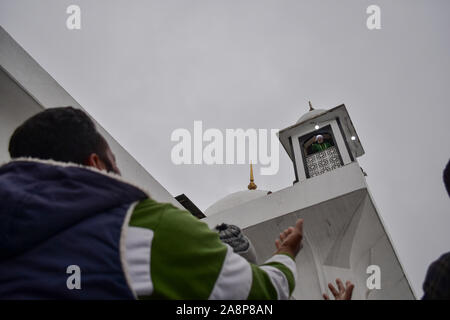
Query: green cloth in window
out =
(316, 147)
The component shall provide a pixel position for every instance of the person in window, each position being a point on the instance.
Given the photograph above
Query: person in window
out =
(319, 144)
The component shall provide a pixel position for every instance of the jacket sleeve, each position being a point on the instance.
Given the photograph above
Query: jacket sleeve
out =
(188, 261)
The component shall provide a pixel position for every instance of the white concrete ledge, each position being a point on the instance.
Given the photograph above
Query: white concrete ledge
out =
(301, 195)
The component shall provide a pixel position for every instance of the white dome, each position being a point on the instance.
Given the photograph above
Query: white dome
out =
(233, 200)
(311, 114)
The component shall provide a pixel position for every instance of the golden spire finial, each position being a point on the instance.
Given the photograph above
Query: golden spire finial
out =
(310, 106)
(251, 185)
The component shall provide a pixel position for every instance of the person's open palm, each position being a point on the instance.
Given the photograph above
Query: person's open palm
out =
(342, 292)
(290, 240)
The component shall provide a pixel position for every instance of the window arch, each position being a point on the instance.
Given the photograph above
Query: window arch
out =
(320, 152)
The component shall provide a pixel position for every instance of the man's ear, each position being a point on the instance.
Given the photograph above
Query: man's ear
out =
(95, 161)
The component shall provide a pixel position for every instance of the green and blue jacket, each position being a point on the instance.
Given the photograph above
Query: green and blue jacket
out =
(125, 244)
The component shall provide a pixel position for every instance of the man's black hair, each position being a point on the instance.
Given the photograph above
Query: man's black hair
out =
(447, 177)
(62, 134)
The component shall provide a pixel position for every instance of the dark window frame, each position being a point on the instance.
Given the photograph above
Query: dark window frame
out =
(345, 140)
(295, 162)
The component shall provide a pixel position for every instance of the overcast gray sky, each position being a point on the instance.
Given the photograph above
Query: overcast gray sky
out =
(145, 68)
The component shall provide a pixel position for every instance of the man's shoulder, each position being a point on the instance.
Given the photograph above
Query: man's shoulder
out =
(444, 262)
(437, 280)
(149, 213)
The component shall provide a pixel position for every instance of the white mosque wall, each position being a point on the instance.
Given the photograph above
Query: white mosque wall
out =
(234, 199)
(26, 88)
(343, 234)
(342, 238)
(301, 195)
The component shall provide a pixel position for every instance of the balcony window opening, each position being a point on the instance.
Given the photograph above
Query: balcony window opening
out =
(318, 143)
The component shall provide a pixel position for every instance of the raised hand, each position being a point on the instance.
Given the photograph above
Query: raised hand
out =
(290, 240)
(342, 293)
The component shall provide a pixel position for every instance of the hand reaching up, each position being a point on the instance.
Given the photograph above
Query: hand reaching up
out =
(342, 293)
(290, 240)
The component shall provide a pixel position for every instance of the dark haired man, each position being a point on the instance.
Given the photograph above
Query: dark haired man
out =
(437, 280)
(61, 208)
(63, 134)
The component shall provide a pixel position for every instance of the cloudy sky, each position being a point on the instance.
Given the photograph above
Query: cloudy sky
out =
(146, 68)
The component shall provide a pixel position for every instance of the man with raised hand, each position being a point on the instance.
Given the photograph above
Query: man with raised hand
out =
(65, 207)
